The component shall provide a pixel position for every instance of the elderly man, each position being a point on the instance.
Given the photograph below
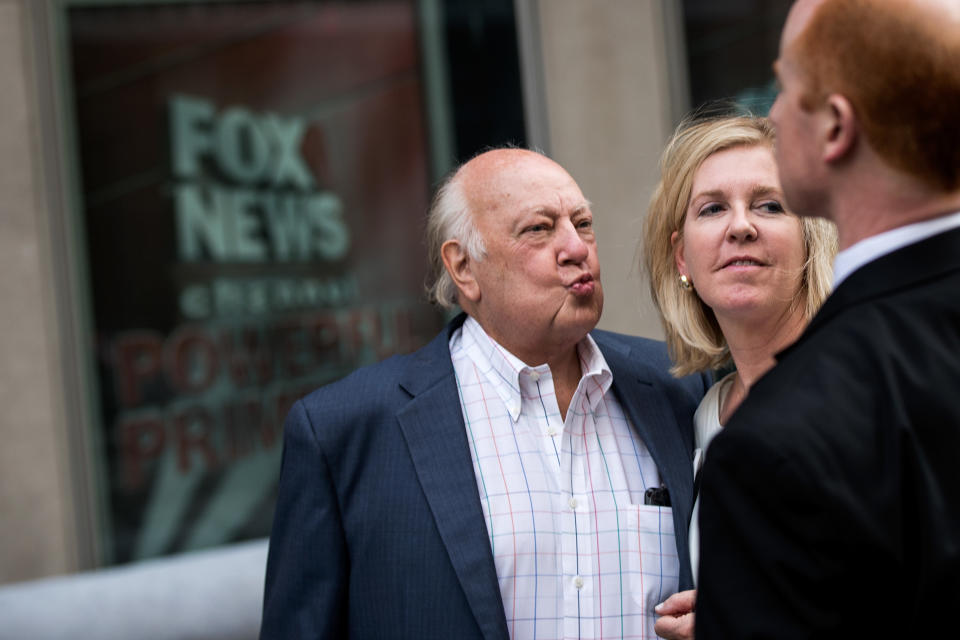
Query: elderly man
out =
(831, 502)
(514, 477)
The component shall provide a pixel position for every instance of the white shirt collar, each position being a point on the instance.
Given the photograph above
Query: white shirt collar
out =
(869, 249)
(503, 369)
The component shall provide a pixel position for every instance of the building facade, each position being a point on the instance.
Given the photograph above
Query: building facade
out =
(209, 208)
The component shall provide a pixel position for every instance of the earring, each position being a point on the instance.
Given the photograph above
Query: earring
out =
(685, 283)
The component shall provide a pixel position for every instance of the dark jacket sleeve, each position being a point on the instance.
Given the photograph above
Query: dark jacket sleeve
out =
(763, 568)
(306, 585)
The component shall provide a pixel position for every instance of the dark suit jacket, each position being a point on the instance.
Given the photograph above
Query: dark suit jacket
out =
(379, 532)
(830, 504)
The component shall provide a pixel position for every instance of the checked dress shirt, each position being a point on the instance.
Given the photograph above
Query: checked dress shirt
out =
(577, 553)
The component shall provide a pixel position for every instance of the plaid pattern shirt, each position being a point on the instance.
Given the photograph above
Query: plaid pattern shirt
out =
(577, 553)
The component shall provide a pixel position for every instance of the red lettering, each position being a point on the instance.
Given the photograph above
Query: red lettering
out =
(141, 440)
(246, 356)
(324, 338)
(193, 429)
(191, 360)
(292, 349)
(241, 421)
(136, 356)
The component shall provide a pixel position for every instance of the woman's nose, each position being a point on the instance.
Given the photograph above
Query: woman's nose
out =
(741, 226)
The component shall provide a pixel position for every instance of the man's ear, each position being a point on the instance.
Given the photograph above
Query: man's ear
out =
(678, 258)
(459, 265)
(840, 124)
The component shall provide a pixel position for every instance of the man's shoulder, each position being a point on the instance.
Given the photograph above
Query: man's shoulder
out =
(624, 343)
(649, 360)
(382, 381)
(376, 374)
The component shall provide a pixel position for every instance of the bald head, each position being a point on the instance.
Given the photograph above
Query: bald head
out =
(482, 184)
(496, 161)
(533, 283)
(492, 180)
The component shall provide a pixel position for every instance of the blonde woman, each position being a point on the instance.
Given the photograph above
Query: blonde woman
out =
(735, 276)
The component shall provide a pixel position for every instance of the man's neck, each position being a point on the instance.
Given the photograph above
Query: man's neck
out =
(565, 370)
(878, 205)
(566, 373)
(563, 358)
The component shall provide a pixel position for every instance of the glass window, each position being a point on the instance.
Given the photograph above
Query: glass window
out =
(254, 178)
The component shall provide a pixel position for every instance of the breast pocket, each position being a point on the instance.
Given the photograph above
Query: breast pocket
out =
(650, 554)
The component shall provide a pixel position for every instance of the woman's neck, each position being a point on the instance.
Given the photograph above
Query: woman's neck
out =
(752, 348)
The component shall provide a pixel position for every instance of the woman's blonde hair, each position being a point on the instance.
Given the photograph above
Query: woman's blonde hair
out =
(693, 336)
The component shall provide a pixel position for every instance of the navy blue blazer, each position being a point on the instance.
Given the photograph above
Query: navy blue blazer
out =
(379, 531)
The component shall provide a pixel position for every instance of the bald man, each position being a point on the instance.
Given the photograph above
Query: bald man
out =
(522, 476)
(830, 504)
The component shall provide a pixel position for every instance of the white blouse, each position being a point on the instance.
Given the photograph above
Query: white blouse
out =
(706, 424)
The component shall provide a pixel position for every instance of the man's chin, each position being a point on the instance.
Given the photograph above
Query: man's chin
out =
(581, 317)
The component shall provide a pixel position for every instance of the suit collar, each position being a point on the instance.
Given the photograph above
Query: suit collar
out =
(869, 249)
(431, 364)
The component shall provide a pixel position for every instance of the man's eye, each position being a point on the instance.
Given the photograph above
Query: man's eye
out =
(535, 228)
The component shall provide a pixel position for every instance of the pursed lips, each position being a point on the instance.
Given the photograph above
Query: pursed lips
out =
(583, 285)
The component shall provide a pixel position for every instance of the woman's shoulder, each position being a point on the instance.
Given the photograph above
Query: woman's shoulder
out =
(706, 420)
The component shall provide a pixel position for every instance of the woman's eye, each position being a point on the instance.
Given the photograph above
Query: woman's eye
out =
(772, 207)
(711, 209)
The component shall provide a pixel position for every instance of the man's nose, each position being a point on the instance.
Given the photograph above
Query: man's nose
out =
(573, 247)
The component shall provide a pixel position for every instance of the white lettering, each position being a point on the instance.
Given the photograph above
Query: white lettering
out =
(243, 151)
(200, 223)
(190, 139)
(331, 236)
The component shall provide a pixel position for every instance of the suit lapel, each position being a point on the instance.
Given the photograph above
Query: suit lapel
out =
(651, 415)
(432, 425)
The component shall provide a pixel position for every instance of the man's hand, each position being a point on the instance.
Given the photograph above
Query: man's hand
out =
(676, 616)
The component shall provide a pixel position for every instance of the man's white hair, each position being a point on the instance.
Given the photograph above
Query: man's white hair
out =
(450, 218)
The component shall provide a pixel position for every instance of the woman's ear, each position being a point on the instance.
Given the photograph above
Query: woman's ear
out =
(459, 266)
(677, 241)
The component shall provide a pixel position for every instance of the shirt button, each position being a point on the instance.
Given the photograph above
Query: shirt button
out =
(573, 505)
(551, 432)
(578, 582)
(534, 376)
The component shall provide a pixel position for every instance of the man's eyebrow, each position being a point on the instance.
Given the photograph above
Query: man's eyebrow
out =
(584, 206)
(553, 212)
